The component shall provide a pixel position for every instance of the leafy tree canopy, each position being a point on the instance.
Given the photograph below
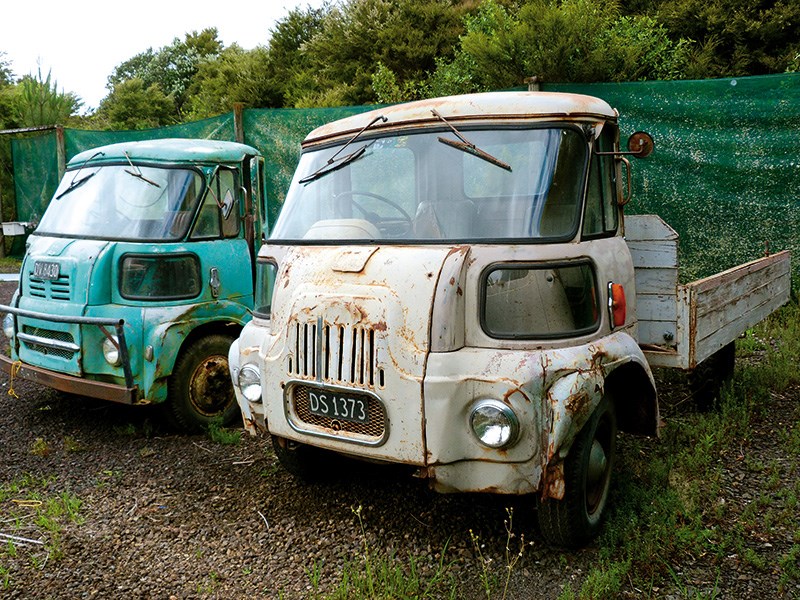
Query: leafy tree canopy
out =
(37, 102)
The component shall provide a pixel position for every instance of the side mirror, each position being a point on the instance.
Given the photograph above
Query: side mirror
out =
(640, 144)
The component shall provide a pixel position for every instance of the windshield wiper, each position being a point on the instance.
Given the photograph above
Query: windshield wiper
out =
(465, 145)
(77, 182)
(333, 164)
(138, 173)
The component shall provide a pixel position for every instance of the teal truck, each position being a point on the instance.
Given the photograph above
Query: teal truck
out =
(140, 275)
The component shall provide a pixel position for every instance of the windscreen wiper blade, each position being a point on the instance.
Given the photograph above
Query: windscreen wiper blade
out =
(465, 145)
(137, 172)
(75, 181)
(333, 164)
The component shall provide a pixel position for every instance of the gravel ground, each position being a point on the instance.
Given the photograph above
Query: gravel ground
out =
(166, 515)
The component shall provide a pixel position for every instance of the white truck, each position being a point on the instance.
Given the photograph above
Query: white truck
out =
(451, 285)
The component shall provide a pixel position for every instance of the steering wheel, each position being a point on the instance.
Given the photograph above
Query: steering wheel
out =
(384, 224)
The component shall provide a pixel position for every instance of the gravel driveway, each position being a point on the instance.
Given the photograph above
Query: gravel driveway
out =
(167, 515)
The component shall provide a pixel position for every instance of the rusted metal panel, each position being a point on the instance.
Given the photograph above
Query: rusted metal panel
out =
(68, 383)
(492, 106)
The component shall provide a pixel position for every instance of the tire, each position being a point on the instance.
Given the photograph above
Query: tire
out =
(304, 462)
(710, 376)
(200, 391)
(574, 520)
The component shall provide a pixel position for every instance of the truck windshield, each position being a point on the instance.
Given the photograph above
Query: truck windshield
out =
(433, 187)
(123, 202)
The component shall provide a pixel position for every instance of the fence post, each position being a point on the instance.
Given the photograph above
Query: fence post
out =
(61, 152)
(238, 121)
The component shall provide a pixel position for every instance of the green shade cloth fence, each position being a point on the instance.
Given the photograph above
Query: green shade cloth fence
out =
(725, 172)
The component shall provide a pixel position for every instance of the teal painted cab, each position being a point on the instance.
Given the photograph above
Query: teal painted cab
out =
(140, 275)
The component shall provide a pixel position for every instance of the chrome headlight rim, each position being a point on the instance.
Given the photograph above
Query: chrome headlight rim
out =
(111, 351)
(249, 382)
(494, 423)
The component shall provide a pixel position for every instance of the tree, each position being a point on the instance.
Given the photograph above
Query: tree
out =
(133, 105)
(394, 38)
(171, 68)
(38, 102)
(290, 65)
(560, 41)
(749, 37)
(236, 75)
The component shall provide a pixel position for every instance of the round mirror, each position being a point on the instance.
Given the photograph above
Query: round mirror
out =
(641, 144)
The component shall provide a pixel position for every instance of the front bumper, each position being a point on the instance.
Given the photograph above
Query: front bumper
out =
(125, 394)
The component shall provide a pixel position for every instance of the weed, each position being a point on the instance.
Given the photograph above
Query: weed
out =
(376, 575)
(73, 445)
(223, 435)
(790, 567)
(129, 429)
(40, 447)
(5, 578)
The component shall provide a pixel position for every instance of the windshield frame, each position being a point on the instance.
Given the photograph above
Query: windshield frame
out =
(64, 194)
(469, 129)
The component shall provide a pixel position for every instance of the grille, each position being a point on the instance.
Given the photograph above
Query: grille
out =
(56, 289)
(335, 354)
(375, 428)
(60, 336)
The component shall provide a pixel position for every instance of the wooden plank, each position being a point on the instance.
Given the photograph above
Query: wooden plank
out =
(654, 253)
(656, 280)
(656, 307)
(738, 284)
(653, 332)
(736, 273)
(713, 320)
(648, 227)
(707, 346)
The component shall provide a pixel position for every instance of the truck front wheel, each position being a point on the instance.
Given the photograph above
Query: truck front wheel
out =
(200, 389)
(575, 519)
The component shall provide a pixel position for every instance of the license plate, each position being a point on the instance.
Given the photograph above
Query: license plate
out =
(46, 270)
(335, 405)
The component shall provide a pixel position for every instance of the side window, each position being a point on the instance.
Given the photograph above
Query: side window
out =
(540, 301)
(601, 212)
(219, 214)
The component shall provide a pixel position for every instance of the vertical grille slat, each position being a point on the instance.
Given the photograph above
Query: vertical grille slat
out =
(335, 354)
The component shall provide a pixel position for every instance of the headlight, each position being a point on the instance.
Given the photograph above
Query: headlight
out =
(494, 424)
(250, 382)
(111, 351)
(8, 325)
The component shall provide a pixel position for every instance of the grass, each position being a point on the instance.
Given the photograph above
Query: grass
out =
(373, 574)
(34, 515)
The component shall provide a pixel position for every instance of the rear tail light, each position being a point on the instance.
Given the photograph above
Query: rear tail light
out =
(617, 307)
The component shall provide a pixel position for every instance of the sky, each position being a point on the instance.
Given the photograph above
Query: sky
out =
(80, 43)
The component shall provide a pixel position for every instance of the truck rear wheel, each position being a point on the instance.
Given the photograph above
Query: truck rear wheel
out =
(575, 519)
(710, 376)
(200, 389)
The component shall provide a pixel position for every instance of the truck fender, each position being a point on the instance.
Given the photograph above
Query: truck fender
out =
(168, 339)
(617, 369)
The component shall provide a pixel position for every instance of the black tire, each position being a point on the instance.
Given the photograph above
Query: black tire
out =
(304, 462)
(200, 391)
(710, 376)
(577, 518)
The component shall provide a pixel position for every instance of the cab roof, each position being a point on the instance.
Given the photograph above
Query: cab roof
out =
(490, 106)
(170, 150)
